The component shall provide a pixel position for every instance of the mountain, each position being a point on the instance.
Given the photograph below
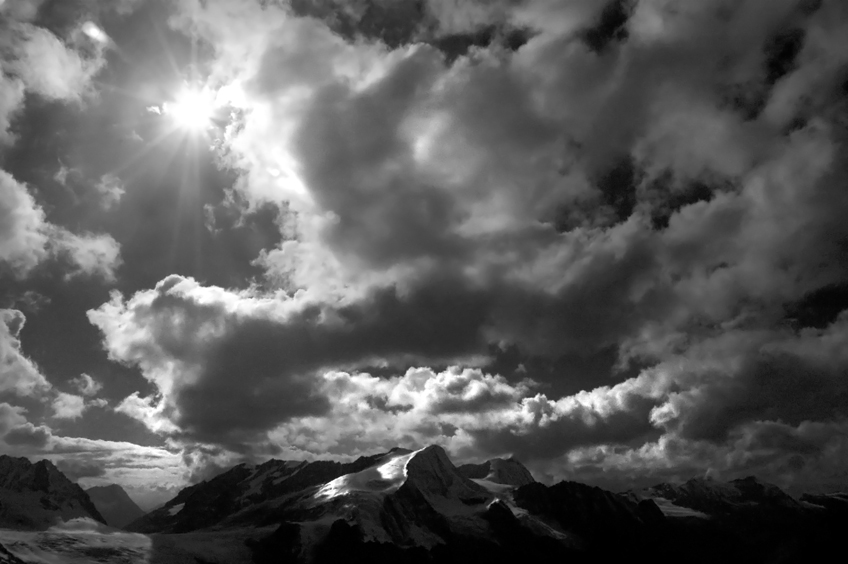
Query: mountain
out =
(506, 471)
(242, 488)
(36, 496)
(114, 505)
(410, 506)
(753, 520)
(835, 503)
(396, 506)
(716, 498)
(416, 506)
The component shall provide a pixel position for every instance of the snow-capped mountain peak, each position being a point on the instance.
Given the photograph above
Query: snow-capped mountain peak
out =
(385, 476)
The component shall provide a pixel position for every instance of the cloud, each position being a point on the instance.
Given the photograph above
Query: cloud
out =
(10, 416)
(145, 470)
(76, 469)
(11, 98)
(650, 180)
(188, 340)
(68, 406)
(23, 239)
(90, 254)
(20, 374)
(87, 385)
(46, 65)
(34, 61)
(17, 432)
(111, 189)
(28, 435)
(72, 406)
(27, 238)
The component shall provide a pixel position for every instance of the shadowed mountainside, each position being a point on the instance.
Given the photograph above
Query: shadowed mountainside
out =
(115, 505)
(36, 496)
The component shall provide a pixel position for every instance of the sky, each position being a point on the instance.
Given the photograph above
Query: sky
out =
(607, 238)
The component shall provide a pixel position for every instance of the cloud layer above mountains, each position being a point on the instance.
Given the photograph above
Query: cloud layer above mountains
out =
(657, 177)
(475, 205)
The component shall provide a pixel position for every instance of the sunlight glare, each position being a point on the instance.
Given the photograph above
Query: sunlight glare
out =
(192, 110)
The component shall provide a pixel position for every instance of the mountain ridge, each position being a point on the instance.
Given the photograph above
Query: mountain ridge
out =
(416, 506)
(38, 495)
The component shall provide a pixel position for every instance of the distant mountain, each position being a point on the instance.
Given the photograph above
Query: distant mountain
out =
(115, 505)
(750, 519)
(36, 496)
(506, 471)
(716, 498)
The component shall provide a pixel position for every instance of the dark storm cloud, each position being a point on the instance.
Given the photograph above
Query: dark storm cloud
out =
(27, 435)
(598, 188)
(243, 372)
(780, 377)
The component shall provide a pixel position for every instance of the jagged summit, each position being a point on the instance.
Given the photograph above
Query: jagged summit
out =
(432, 472)
(506, 471)
(429, 470)
(37, 495)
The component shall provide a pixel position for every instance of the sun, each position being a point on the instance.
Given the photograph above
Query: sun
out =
(191, 110)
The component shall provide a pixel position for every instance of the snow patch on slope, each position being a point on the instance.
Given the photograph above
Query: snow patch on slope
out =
(385, 477)
(669, 509)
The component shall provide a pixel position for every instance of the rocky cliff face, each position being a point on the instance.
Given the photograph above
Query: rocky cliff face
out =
(36, 496)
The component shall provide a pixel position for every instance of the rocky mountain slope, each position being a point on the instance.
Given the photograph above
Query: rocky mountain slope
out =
(36, 496)
(114, 505)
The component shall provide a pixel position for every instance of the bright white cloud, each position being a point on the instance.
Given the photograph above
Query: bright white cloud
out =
(89, 254)
(23, 239)
(48, 66)
(68, 406)
(27, 238)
